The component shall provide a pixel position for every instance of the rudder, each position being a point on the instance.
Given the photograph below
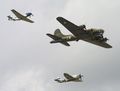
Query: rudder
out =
(58, 33)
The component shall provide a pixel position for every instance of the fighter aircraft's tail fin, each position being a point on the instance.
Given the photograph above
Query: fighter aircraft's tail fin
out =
(10, 18)
(58, 33)
(59, 81)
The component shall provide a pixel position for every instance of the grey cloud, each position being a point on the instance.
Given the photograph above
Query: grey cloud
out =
(29, 62)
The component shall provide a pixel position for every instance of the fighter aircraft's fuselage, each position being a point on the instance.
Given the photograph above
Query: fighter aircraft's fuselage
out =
(75, 80)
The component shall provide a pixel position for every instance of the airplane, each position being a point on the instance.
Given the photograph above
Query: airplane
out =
(20, 16)
(92, 35)
(69, 78)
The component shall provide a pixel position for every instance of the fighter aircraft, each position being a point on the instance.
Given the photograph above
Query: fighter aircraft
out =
(69, 78)
(94, 36)
(20, 16)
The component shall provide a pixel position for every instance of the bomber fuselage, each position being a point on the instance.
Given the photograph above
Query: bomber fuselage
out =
(68, 38)
(94, 34)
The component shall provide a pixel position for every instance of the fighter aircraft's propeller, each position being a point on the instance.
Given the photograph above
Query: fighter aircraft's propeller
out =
(80, 75)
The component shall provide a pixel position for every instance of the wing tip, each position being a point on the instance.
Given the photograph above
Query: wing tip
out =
(48, 34)
(108, 46)
(32, 22)
(68, 45)
(12, 9)
(59, 17)
(65, 73)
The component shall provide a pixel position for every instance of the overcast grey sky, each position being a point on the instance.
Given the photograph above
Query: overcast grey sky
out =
(28, 62)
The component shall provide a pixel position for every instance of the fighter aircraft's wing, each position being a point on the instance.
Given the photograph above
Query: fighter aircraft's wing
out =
(57, 39)
(74, 29)
(22, 17)
(102, 44)
(68, 76)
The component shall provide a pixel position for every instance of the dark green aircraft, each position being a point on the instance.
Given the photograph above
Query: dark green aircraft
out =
(94, 36)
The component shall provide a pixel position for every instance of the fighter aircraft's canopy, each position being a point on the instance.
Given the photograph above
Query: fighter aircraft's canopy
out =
(29, 14)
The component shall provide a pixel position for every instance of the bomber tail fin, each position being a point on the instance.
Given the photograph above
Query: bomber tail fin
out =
(58, 33)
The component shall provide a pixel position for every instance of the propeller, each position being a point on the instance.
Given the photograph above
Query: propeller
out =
(80, 75)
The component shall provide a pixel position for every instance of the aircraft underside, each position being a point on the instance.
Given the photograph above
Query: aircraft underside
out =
(93, 38)
(93, 35)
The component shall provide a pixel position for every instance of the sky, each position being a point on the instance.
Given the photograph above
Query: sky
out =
(28, 62)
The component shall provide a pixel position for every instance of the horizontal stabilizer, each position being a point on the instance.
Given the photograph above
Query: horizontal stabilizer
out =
(60, 81)
(10, 18)
(57, 39)
(53, 36)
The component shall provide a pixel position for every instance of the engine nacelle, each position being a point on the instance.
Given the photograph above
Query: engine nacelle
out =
(97, 31)
(82, 27)
(105, 39)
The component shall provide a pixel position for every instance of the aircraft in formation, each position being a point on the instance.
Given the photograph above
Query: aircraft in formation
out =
(94, 36)
(20, 16)
(69, 78)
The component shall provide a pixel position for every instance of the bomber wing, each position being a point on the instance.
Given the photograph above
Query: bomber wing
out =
(102, 44)
(21, 17)
(57, 39)
(68, 76)
(74, 29)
